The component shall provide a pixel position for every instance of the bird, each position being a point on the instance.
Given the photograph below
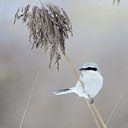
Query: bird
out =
(92, 80)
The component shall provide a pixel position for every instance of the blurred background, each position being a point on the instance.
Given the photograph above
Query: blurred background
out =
(100, 35)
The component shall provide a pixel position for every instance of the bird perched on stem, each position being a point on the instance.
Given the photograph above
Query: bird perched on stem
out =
(92, 80)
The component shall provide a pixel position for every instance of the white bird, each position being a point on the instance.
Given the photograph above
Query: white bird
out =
(92, 80)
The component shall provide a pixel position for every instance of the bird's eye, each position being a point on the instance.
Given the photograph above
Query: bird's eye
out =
(91, 68)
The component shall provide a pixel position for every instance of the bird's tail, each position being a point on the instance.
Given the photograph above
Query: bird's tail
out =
(63, 91)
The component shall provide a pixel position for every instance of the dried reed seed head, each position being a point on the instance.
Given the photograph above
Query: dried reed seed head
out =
(48, 27)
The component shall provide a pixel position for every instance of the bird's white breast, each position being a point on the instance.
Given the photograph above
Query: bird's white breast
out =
(93, 83)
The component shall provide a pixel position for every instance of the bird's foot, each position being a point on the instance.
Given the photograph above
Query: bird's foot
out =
(91, 100)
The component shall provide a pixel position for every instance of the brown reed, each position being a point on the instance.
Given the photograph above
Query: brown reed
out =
(48, 27)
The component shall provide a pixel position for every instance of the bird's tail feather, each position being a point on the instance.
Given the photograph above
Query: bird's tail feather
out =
(63, 91)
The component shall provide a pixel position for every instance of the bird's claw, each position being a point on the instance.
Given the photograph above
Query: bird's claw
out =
(91, 100)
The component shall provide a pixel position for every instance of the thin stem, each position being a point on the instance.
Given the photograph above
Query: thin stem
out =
(28, 101)
(94, 116)
(74, 69)
(115, 107)
(99, 115)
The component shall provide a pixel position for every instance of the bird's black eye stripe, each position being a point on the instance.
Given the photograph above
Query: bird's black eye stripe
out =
(89, 68)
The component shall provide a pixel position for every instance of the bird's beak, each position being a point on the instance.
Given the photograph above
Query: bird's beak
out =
(81, 69)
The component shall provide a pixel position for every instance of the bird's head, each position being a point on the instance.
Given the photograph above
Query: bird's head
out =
(93, 67)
